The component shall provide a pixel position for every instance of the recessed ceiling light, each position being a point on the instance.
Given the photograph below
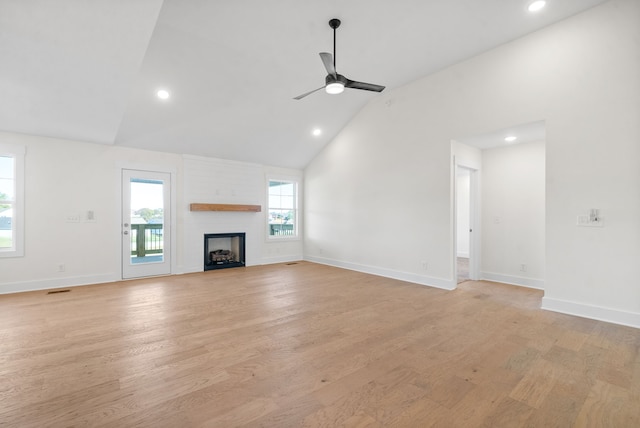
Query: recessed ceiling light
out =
(163, 94)
(316, 132)
(536, 5)
(510, 139)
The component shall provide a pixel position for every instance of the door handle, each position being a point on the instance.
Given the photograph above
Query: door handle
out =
(126, 232)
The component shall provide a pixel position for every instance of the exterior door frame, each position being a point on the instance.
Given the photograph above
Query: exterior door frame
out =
(120, 167)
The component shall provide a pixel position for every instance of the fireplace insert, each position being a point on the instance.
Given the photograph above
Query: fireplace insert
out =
(223, 250)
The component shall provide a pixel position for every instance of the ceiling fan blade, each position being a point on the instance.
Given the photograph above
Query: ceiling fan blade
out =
(362, 85)
(299, 97)
(327, 60)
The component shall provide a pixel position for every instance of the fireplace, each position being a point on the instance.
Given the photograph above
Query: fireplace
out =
(223, 250)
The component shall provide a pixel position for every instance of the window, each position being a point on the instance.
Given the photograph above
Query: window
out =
(11, 200)
(283, 209)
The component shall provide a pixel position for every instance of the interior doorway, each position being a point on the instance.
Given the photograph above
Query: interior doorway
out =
(508, 215)
(466, 223)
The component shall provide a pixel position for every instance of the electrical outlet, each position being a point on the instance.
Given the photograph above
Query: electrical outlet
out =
(425, 265)
(73, 218)
(523, 268)
(61, 267)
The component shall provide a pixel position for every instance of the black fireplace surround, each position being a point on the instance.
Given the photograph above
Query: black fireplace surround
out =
(223, 250)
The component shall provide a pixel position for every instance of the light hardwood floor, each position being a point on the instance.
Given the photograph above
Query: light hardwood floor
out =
(294, 345)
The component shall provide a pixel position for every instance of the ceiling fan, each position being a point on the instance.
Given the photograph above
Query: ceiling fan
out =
(334, 82)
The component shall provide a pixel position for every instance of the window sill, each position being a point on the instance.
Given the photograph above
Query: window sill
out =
(282, 238)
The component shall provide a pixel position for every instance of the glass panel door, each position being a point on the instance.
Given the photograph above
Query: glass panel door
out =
(146, 210)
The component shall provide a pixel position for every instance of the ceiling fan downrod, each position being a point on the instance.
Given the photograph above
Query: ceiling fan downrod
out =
(334, 23)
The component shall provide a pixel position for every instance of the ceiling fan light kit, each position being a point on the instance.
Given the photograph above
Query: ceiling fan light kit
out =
(334, 88)
(334, 82)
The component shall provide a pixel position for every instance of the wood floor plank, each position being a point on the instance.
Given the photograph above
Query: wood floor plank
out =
(308, 345)
(536, 384)
(508, 412)
(608, 405)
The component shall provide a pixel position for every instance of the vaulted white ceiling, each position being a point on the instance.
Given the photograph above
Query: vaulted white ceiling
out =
(89, 70)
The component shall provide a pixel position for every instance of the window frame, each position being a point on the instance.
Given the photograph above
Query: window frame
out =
(296, 210)
(17, 152)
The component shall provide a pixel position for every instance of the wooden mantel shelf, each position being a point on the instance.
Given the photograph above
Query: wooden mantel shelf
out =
(225, 207)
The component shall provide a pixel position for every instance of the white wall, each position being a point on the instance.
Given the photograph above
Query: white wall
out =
(513, 211)
(378, 197)
(66, 177)
(62, 178)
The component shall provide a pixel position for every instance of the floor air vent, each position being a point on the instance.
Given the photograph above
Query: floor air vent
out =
(58, 291)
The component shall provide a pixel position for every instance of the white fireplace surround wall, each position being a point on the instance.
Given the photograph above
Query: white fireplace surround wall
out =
(217, 181)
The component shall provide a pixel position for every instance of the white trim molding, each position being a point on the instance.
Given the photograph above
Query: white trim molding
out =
(445, 284)
(65, 282)
(615, 316)
(281, 259)
(513, 280)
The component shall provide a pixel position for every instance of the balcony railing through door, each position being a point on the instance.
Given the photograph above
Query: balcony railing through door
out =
(146, 239)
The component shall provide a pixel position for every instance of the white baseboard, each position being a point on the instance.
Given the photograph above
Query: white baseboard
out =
(192, 269)
(615, 316)
(47, 284)
(387, 273)
(281, 259)
(513, 280)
